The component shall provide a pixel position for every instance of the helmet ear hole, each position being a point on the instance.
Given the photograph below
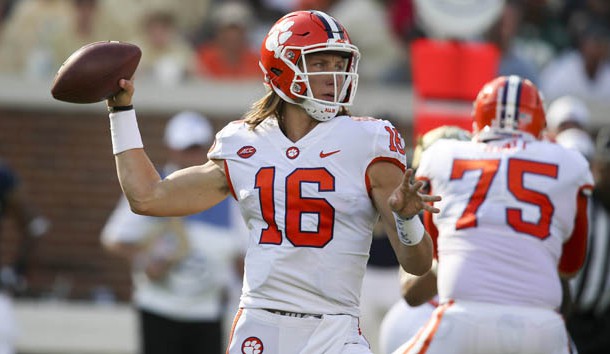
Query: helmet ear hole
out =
(298, 88)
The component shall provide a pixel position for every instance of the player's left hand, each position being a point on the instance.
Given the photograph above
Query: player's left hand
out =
(407, 199)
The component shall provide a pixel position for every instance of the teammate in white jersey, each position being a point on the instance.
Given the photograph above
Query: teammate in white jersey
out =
(513, 221)
(311, 182)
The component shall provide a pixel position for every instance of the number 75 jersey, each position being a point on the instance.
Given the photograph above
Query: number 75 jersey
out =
(514, 212)
(308, 209)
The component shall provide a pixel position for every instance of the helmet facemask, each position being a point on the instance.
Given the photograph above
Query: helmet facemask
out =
(345, 82)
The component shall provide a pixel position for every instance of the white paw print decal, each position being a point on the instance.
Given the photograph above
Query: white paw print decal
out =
(252, 345)
(278, 35)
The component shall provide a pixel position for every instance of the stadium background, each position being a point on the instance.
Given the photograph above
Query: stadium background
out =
(63, 154)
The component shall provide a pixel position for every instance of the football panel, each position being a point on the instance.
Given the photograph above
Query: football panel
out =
(92, 73)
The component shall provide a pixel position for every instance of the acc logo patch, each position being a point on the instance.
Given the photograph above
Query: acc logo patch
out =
(246, 152)
(278, 35)
(252, 345)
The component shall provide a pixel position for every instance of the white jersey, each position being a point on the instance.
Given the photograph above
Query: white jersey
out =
(308, 209)
(508, 208)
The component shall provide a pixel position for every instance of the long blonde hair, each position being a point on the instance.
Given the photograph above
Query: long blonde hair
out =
(271, 105)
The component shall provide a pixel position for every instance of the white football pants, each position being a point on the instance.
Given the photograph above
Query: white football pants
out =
(483, 328)
(258, 331)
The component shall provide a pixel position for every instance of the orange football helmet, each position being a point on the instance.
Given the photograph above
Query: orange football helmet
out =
(509, 104)
(283, 54)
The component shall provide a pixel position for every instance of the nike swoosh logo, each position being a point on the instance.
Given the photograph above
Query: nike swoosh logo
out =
(323, 154)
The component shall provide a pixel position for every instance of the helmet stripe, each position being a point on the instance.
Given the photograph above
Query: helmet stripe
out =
(501, 110)
(512, 101)
(340, 31)
(332, 27)
(518, 104)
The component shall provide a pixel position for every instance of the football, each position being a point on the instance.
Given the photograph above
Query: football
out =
(92, 73)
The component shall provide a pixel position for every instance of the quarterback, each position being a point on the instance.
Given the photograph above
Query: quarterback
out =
(311, 182)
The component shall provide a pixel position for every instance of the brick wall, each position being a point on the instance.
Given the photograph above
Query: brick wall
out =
(66, 165)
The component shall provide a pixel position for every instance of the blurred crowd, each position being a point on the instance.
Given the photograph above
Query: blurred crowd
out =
(561, 45)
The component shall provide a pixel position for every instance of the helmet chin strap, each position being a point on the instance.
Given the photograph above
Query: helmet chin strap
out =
(318, 111)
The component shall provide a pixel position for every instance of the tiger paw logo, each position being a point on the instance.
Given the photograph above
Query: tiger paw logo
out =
(278, 35)
(252, 345)
(292, 152)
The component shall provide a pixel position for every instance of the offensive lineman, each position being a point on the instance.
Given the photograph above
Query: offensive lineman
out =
(513, 221)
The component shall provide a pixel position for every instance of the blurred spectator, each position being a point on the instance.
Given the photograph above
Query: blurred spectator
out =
(183, 268)
(124, 12)
(503, 34)
(228, 55)
(167, 55)
(599, 9)
(188, 13)
(266, 13)
(584, 71)
(401, 17)
(27, 38)
(6, 6)
(541, 34)
(567, 112)
(41, 34)
(270, 11)
(577, 139)
(15, 206)
(87, 23)
(589, 321)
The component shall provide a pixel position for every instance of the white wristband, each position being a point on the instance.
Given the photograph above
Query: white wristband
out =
(124, 131)
(410, 231)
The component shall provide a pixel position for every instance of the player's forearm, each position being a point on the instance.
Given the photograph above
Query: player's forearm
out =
(137, 175)
(415, 259)
(138, 178)
(417, 290)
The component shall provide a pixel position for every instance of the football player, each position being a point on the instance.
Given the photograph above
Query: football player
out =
(513, 221)
(311, 181)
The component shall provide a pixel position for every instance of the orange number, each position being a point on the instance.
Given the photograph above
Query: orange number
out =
(296, 206)
(517, 168)
(395, 140)
(264, 183)
(488, 172)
